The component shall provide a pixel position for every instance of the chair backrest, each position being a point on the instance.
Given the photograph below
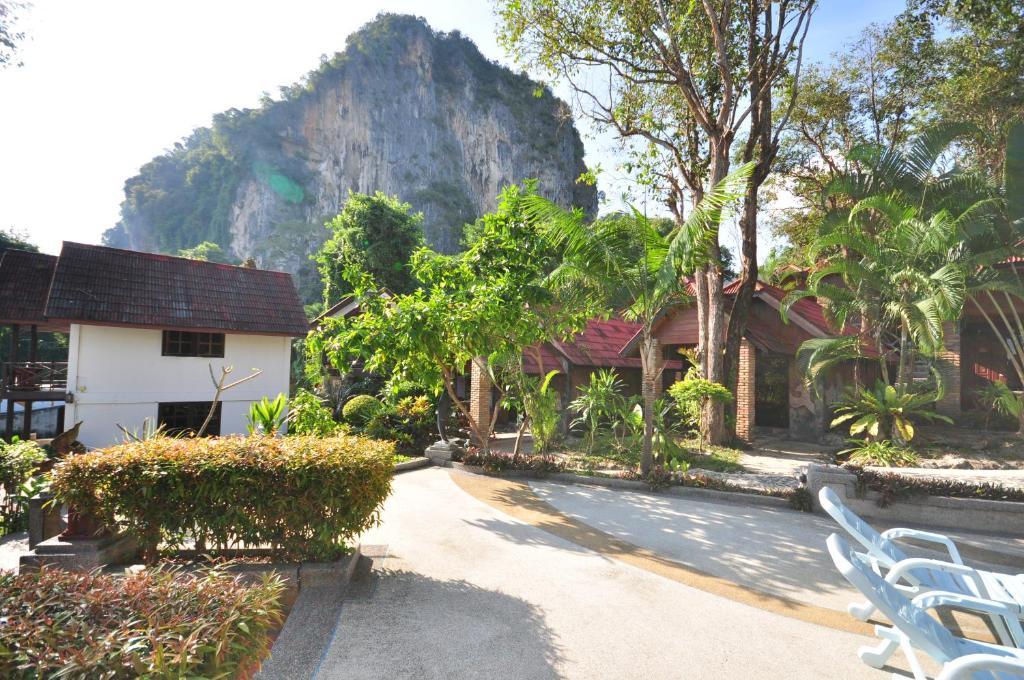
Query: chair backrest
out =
(924, 632)
(882, 549)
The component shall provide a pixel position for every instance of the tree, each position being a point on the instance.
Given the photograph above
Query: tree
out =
(894, 241)
(12, 238)
(488, 301)
(676, 82)
(10, 36)
(627, 266)
(376, 232)
(207, 251)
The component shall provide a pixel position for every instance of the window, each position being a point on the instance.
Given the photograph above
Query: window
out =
(186, 344)
(188, 416)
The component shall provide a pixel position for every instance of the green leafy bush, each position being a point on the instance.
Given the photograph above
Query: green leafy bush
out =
(19, 462)
(308, 414)
(597, 405)
(692, 393)
(892, 486)
(494, 461)
(410, 424)
(156, 623)
(305, 497)
(881, 454)
(360, 409)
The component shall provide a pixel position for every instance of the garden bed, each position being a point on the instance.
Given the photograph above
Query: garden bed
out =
(158, 622)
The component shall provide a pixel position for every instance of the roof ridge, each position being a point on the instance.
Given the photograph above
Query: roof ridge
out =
(146, 253)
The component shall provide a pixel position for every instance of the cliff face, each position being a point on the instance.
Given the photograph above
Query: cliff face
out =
(403, 109)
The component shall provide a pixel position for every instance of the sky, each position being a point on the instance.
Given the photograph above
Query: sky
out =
(109, 84)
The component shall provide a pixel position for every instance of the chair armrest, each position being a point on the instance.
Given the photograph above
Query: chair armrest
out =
(901, 532)
(975, 604)
(965, 667)
(900, 569)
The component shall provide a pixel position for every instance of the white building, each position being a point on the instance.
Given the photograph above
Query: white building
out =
(145, 331)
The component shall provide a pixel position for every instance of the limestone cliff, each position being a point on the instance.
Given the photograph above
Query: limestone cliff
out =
(405, 110)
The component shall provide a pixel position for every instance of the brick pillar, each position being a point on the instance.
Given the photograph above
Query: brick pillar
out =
(949, 365)
(480, 393)
(745, 392)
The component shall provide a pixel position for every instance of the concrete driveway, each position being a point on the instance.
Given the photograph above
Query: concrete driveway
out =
(460, 589)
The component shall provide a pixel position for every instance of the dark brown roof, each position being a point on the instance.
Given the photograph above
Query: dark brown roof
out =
(110, 286)
(24, 284)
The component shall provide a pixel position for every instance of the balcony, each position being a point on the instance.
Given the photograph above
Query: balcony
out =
(35, 379)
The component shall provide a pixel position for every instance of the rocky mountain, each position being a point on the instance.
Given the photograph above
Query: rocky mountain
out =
(403, 109)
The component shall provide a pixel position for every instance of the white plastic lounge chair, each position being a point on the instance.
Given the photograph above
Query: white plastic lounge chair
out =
(914, 630)
(918, 575)
(969, 667)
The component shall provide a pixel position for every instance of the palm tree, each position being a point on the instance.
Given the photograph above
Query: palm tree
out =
(624, 263)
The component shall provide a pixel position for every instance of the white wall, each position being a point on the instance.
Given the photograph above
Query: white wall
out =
(118, 376)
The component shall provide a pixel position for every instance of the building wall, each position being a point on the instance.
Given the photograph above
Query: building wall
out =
(118, 376)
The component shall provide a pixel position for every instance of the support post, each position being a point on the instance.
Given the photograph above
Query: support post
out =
(745, 387)
(480, 395)
(12, 356)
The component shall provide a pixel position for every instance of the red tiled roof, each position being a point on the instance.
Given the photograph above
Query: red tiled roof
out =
(110, 286)
(597, 345)
(24, 284)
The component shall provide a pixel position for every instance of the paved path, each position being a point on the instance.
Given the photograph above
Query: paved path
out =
(462, 589)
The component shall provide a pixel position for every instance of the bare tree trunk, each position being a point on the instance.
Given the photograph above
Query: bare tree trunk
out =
(648, 365)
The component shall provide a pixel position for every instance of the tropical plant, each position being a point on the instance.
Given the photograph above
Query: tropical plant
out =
(266, 416)
(598, 402)
(998, 397)
(409, 423)
(308, 414)
(667, 450)
(693, 393)
(880, 454)
(625, 263)
(541, 402)
(884, 413)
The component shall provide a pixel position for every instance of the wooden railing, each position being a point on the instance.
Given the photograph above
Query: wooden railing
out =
(35, 376)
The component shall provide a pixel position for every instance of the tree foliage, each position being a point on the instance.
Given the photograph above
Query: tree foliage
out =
(486, 304)
(378, 234)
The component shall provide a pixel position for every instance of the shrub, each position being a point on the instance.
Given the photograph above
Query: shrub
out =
(692, 393)
(308, 414)
(881, 454)
(19, 462)
(359, 410)
(892, 486)
(154, 623)
(497, 462)
(305, 497)
(410, 425)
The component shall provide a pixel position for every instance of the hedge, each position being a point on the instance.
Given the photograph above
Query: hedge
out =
(304, 497)
(154, 623)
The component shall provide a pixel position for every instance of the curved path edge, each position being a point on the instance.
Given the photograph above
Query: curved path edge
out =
(519, 501)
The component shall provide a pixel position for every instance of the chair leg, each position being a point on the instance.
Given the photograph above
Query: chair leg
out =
(876, 657)
(862, 611)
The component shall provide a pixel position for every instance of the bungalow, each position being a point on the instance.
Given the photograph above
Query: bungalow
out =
(145, 332)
